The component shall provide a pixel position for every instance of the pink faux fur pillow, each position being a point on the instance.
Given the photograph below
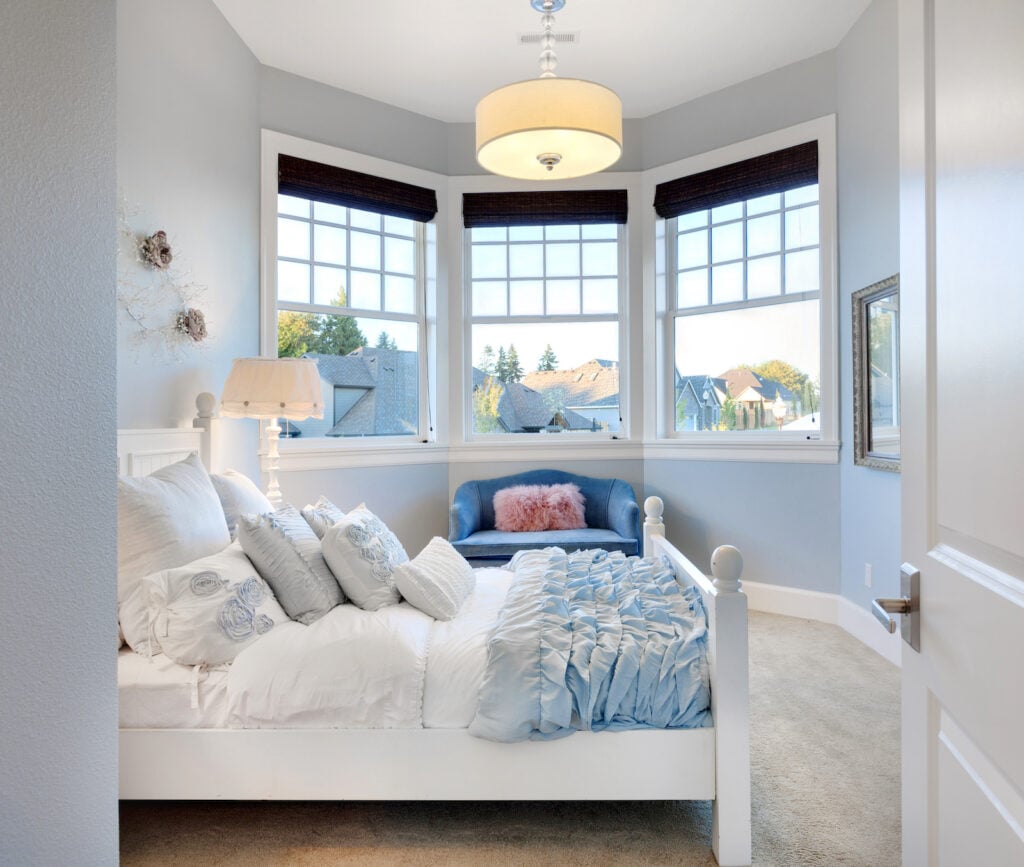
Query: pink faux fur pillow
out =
(531, 508)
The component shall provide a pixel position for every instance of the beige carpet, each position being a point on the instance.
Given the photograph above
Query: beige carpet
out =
(825, 778)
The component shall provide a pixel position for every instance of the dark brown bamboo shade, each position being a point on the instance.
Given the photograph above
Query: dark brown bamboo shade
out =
(337, 186)
(781, 170)
(540, 208)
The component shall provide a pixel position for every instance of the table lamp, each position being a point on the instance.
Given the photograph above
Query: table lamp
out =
(273, 388)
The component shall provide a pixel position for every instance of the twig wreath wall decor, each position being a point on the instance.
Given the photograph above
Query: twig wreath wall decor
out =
(157, 299)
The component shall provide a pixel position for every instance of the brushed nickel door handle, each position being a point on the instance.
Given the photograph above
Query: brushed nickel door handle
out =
(882, 608)
(906, 605)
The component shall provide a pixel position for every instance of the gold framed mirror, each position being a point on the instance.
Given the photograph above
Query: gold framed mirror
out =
(876, 375)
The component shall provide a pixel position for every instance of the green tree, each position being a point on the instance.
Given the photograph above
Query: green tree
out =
(485, 406)
(386, 342)
(486, 362)
(514, 370)
(548, 361)
(295, 333)
(781, 371)
(727, 418)
(338, 335)
(501, 366)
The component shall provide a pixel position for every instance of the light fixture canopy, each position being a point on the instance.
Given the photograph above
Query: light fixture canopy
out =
(548, 128)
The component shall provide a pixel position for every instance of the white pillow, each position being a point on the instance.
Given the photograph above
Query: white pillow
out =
(286, 552)
(437, 581)
(166, 519)
(322, 515)
(238, 496)
(363, 553)
(207, 612)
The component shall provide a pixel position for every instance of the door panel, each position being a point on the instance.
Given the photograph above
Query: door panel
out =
(962, 351)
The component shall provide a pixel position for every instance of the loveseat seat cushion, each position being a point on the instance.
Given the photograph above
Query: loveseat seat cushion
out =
(496, 545)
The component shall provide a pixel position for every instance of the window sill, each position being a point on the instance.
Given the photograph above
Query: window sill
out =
(545, 447)
(759, 449)
(344, 453)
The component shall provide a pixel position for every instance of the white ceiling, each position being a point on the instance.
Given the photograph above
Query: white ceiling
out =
(438, 58)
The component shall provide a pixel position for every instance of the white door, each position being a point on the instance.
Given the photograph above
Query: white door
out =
(962, 303)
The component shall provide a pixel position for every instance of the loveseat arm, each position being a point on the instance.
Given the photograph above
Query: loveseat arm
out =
(464, 515)
(624, 512)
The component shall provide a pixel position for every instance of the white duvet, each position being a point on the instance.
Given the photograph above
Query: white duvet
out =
(391, 668)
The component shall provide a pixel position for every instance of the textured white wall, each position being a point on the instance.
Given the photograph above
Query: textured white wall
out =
(58, 700)
(868, 144)
(188, 146)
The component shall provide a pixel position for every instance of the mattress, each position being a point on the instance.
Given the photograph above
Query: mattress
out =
(392, 668)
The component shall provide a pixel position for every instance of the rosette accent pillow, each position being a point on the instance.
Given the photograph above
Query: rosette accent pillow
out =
(363, 553)
(207, 612)
(322, 515)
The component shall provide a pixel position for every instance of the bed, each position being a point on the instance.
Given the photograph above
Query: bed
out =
(192, 756)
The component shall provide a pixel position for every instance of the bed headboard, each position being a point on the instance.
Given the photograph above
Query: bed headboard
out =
(140, 451)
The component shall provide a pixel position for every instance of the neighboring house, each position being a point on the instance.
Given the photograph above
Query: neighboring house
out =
(755, 398)
(369, 392)
(592, 390)
(522, 409)
(698, 402)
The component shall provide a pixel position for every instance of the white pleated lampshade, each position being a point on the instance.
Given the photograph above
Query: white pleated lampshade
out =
(273, 388)
(549, 129)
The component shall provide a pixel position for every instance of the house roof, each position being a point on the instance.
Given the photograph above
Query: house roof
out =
(595, 383)
(739, 379)
(521, 408)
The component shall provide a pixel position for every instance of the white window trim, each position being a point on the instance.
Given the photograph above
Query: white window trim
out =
(354, 451)
(469, 447)
(660, 439)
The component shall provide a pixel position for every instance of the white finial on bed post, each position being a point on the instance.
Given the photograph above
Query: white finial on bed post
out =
(206, 404)
(654, 508)
(726, 567)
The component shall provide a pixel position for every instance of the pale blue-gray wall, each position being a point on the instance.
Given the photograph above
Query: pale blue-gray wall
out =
(58, 699)
(868, 144)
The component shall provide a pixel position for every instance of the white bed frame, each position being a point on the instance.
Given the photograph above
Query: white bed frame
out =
(441, 764)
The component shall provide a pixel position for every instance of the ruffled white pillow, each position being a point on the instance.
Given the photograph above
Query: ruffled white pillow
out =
(437, 581)
(322, 515)
(363, 553)
(239, 496)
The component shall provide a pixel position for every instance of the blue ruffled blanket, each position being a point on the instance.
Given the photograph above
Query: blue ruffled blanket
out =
(592, 640)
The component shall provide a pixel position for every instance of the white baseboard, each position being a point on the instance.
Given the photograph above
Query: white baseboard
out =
(825, 608)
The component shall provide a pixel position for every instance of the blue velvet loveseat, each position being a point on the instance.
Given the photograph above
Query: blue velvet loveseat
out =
(611, 514)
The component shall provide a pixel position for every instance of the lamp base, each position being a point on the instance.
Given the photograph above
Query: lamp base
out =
(273, 489)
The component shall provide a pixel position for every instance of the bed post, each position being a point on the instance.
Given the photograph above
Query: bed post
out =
(205, 421)
(654, 508)
(730, 707)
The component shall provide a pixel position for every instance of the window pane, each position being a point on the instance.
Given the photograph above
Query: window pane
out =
(600, 259)
(489, 297)
(778, 341)
(802, 195)
(489, 261)
(763, 235)
(365, 250)
(293, 282)
(399, 294)
(727, 283)
(764, 277)
(526, 298)
(802, 271)
(381, 352)
(693, 249)
(601, 231)
(330, 213)
(561, 233)
(365, 288)
(802, 227)
(601, 296)
(762, 204)
(293, 205)
(399, 256)
(693, 288)
(727, 212)
(292, 238)
(400, 226)
(364, 219)
(525, 260)
(563, 297)
(526, 233)
(580, 391)
(727, 242)
(488, 233)
(329, 286)
(692, 221)
(329, 244)
(563, 260)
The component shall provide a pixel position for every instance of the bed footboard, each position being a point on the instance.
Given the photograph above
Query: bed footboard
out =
(726, 607)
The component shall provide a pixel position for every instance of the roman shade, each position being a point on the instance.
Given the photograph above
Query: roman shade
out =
(775, 172)
(338, 186)
(540, 208)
